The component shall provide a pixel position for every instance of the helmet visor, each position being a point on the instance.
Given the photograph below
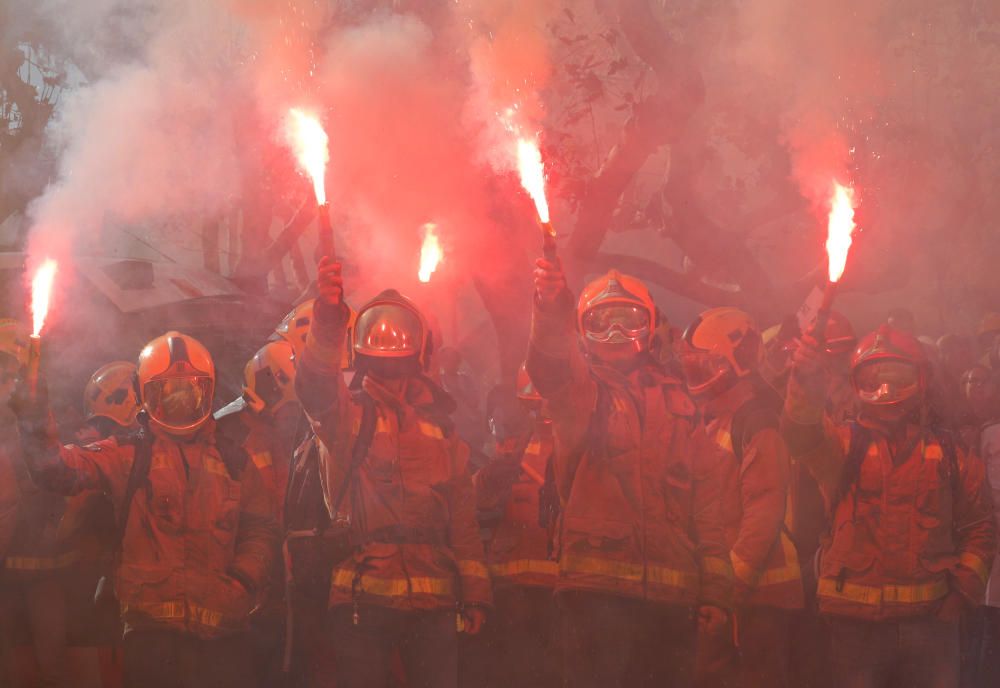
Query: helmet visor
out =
(388, 330)
(178, 403)
(616, 322)
(887, 382)
(703, 369)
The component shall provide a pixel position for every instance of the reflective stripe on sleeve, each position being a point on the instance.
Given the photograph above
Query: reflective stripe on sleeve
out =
(973, 562)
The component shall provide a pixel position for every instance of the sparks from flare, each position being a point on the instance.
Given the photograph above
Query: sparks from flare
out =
(310, 144)
(431, 253)
(532, 172)
(840, 227)
(41, 294)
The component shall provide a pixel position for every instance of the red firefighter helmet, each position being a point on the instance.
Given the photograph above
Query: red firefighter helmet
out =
(724, 345)
(111, 394)
(176, 383)
(391, 326)
(889, 367)
(616, 316)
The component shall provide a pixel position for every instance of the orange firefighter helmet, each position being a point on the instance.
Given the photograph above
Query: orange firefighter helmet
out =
(269, 378)
(176, 383)
(295, 326)
(724, 345)
(111, 394)
(616, 316)
(889, 367)
(391, 326)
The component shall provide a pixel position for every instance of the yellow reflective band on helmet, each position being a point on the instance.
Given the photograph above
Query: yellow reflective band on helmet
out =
(516, 567)
(623, 570)
(883, 594)
(473, 569)
(394, 587)
(971, 561)
(17, 563)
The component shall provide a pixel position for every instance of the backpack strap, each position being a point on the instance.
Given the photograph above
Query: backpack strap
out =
(861, 439)
(138, 476)
(362, 444)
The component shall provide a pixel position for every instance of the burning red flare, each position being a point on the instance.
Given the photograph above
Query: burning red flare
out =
(310, 144)
(41, 293)
(431, 253)
(840, 227)
(532, 172)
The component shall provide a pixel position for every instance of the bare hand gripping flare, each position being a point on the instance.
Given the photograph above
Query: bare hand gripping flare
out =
(840, 228)
(41, 298)
(311, 147)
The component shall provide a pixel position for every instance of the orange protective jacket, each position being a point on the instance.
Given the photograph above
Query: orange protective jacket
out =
(765, 562)
(904, 533)
(640, 496)
(411, 501)
(198, 541)
(518, 553)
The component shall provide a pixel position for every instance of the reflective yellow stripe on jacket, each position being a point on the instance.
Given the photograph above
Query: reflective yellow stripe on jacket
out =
(172, 611)
(18, 563)
(516, 567)
(624, 570)
(787, 573)
(879, 594)
(394, 587)
(971, 561)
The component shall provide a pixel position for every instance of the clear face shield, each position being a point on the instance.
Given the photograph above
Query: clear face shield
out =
(388, 330)
(887, 383)
(181, 403)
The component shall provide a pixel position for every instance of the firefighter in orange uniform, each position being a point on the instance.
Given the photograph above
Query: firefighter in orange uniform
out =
(268, 415)
(198, 527)
(396, 476)
(723, 350)
(912, 536)
(519, 485)
(41, 559)
(642, 553)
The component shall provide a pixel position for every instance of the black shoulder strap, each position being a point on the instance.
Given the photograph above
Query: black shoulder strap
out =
(361, 446)
(861, 438)
(749, 419)
(138, 476)
(597, 433)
